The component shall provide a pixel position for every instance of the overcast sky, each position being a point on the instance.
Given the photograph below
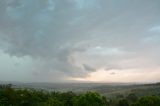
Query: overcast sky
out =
(80, 40)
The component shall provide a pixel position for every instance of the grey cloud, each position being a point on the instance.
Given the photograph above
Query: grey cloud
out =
(88, 68)
(109, 68)
(51, 32)
(112, 73)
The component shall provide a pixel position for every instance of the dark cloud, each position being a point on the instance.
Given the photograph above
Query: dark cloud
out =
(88, 68)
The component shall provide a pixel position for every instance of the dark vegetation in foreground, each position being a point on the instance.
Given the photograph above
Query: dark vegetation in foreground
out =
(30, 97)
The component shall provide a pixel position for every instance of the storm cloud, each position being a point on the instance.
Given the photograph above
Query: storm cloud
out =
(58, 39)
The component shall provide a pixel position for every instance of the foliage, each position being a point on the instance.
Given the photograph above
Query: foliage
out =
(123, 102)
(27, 97)
(90, 99)
(148, 101)
(31, 97)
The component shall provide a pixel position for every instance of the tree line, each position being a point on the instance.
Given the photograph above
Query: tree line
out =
(31, 97)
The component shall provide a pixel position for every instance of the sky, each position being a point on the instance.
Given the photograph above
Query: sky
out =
(80, 40)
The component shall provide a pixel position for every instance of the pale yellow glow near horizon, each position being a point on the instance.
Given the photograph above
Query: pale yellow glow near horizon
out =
(129, 75)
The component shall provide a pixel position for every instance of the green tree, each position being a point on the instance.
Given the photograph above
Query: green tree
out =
(54, 102)
(132, 98)
(89, 99)
(148, 101)
(123, 102)
(67, 98)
